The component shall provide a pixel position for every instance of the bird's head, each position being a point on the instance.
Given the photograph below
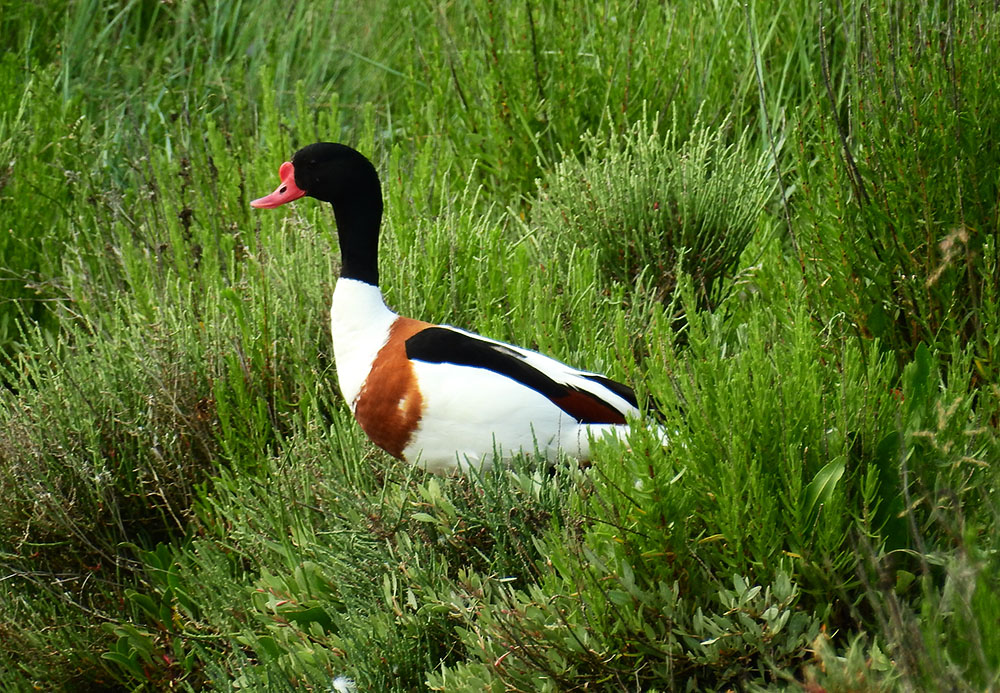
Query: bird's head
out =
(330, 172)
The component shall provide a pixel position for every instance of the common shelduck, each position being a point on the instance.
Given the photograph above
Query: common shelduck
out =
(436, 395)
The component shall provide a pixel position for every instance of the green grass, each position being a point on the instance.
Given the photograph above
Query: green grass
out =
(811, 307)
(649, 206)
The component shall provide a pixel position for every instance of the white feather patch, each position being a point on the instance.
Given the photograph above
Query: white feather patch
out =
(359, 323)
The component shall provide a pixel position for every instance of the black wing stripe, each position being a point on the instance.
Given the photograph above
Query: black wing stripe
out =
(623, 391)
(442, 345)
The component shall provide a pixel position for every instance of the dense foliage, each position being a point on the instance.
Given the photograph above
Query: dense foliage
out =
(778, 220)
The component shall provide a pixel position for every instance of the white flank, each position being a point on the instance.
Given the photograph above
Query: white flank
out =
(474, 416)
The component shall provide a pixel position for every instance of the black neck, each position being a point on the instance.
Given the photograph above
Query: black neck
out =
(357, 231)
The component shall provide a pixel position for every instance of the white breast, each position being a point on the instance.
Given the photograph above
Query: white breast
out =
(359, 323)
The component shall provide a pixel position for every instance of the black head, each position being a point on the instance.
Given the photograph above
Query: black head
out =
(330, 172)
(337, 174)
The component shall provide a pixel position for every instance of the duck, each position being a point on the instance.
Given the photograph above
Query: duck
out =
(438, 396)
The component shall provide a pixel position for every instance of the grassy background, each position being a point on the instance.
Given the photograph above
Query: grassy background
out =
(778, 220)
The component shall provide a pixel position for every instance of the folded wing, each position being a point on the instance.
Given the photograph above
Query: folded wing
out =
(589, 398)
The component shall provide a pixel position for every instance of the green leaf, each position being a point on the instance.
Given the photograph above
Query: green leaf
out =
(268, 646)
(127, 663)
(819, 491)
(148, 605)
(917, 392)
(904, 579)
(309, 615)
